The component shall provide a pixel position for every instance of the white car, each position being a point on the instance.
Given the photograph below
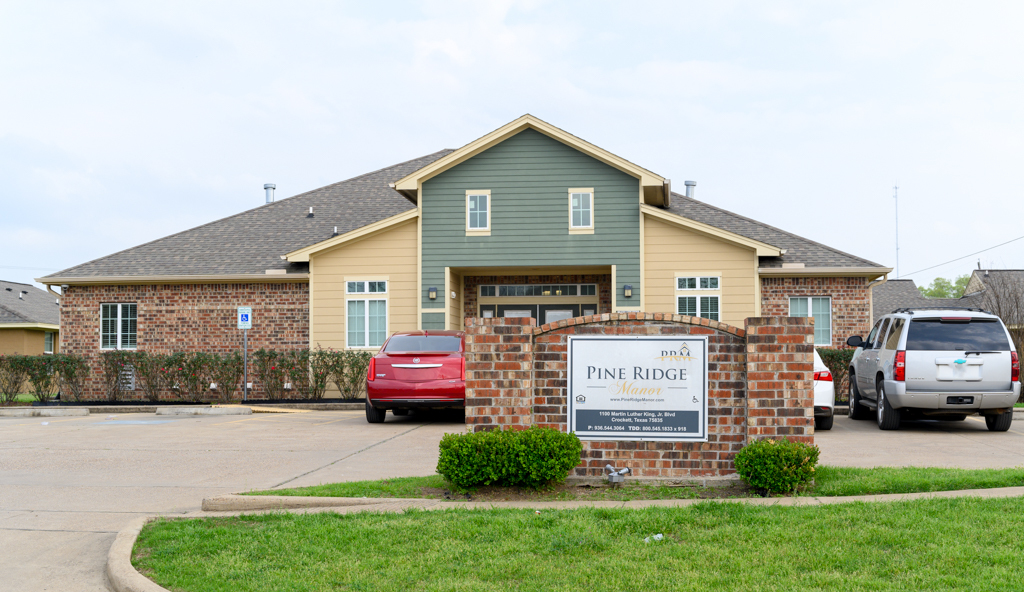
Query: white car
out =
(824, 395)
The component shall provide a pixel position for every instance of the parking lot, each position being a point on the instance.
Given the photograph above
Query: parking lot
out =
(67, 485)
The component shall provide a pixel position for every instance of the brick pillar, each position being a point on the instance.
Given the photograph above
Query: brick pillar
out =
(499, 361)
(780, 378)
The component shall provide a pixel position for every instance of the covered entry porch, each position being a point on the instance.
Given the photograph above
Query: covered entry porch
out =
(547, 294)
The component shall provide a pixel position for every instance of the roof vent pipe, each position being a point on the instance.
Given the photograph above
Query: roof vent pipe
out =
(270, 187)
(689, 187)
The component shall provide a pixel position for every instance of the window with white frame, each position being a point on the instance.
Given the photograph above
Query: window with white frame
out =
(48, 340)
(581, 209)
(698, 283)
(699, 306)
(366, 319)
(819, 307)
(478, 210)
(118, 325)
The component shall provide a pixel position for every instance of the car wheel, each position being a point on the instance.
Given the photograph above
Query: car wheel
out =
(888, 418)
(999, 423)
(374, 415)
(857, 411)
(823, 423)
(399, 412)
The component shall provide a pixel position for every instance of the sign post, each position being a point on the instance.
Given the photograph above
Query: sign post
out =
(245, 323)
(639, 388)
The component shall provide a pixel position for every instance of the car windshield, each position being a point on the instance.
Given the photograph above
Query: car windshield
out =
(423, 343)
(973, 335)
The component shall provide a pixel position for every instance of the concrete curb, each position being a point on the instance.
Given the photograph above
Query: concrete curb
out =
(203, 411)
(247, 503)
(252, 503)
(43, 411)
(121, 573)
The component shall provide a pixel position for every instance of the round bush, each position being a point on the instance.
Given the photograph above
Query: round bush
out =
(776, 466)
(525, 458)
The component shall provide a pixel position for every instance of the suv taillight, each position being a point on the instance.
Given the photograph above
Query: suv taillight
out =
(899, 371)
(463, 368)
(371, 371)
(823, 375)
(1014, 367)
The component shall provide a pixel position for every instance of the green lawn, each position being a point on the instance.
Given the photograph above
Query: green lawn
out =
(828, 481)
(947, 544)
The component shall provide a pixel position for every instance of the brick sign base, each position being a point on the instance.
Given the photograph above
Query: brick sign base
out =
(760, 385)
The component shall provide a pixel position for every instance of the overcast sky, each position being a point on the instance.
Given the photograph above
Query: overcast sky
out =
(124, 122)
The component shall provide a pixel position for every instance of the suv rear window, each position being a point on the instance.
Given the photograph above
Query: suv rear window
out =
(973, 335)
(423, 343)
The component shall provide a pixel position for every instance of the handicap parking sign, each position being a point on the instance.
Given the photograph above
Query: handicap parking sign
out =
(244, 317)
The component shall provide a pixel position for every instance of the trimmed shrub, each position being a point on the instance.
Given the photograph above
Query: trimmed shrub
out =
(267, 365)
(776, 466)
(533, 458)
(117, 372)
(190, 372)
(13, 374)
(296, 366)
(319, 372)
(150, 374)
(838, 362)
(42, 376)
(72, 371)
(352, 383)
(226, 372)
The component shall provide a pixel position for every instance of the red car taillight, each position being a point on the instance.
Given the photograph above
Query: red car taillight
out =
(371, 372)
(823, 375)
(899, 373)
(1014, 367)
(464, 368)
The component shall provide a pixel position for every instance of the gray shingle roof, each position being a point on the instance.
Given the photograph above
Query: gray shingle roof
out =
(893, 294)
(798, 249)
(36, 306)
(253, 241)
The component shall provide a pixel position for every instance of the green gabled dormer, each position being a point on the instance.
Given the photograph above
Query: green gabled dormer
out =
(530, 200)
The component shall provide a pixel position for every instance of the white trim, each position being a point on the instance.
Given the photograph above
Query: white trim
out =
(486, 230)
(583, 228)
(366, 298)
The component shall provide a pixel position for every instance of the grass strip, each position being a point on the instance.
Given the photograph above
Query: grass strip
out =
(947, 544)
(829, 481)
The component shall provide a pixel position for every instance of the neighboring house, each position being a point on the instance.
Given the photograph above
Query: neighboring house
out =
(526, 221)
(29, 320)
(892, 294)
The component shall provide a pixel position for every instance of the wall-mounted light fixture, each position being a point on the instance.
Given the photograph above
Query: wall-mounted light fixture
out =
(627, 291)
(558, 292)
(432, 293)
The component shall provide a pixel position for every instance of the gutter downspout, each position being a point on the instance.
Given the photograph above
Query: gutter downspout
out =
(871, 296)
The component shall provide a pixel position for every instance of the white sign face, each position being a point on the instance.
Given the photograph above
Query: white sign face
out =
(638, 388)
(245, 317)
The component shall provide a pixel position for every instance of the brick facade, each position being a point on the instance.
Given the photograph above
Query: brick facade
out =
(603, 281)
(851, 301)
(187, 317)
(516, 377)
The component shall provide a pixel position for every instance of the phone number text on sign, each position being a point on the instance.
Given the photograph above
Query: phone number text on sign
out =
(638, 388)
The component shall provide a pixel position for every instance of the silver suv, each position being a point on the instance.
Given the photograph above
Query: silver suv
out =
(942, 363)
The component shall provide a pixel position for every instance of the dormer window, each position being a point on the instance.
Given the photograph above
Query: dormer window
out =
(478, 212)
(581, 211)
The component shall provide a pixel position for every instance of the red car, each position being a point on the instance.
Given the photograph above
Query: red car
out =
(417, 370)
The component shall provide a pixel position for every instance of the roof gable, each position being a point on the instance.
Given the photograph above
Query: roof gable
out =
(656, 188)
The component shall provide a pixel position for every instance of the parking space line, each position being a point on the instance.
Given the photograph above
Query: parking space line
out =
(978, 419)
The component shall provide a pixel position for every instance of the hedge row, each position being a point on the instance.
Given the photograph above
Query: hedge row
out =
(199, 376)
(190, 376)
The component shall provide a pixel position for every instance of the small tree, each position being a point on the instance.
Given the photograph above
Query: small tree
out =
(353, 382)
(118, 372)
(320, 367)
(72, 372)
(42, 377)
(1004, 297)
(13, 374)
(296, 365)
(267, 365)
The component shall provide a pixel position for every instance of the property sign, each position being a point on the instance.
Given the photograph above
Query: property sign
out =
(245, 317)
(638, 388)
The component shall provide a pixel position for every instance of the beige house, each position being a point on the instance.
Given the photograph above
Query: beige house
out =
(29, 320)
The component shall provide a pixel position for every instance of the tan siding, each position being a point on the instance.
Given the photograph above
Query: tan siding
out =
(26, 342)
(391, 255)
(669, 250)
(454, 304)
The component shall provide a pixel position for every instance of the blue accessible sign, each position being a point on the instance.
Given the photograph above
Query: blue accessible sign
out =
(245, 317)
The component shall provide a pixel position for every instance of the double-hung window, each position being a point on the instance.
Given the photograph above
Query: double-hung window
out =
(48, 340)
(478, 212)
(118, 326)
(366, 318)
(581, 210)
(699, 306)
(819, 307)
